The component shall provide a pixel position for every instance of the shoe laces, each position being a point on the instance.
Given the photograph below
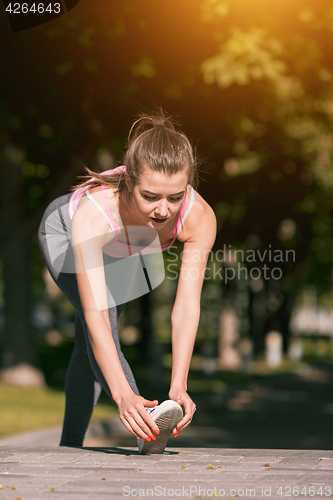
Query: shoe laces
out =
(149, 410)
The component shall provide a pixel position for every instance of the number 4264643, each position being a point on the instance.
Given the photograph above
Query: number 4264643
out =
(35, 8)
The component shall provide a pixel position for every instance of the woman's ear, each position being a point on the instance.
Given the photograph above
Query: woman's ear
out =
(128, 183)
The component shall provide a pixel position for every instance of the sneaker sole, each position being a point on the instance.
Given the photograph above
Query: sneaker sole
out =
(166, 423)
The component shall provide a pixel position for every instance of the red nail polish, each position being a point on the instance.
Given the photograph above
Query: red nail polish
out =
(176, 434)
(147, 439)
(157, 431)
(153, 438)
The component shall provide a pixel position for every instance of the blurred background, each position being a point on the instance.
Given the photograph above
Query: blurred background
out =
(251, 84)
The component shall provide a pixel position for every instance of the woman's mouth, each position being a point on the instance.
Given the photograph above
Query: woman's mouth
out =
(158, 221)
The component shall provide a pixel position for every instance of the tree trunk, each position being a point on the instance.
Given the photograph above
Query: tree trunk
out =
(19, 351)
(18, 343)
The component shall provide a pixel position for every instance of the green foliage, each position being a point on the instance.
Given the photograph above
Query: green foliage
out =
(144, 67)
(276, 55)
(243, 57)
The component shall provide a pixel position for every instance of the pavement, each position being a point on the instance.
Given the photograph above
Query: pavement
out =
(270, 437)
(116, 473)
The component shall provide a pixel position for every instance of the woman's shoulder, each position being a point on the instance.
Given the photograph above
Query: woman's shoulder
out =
(88, 220)
(200, 222)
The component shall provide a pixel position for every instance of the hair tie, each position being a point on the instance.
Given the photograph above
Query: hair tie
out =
(159, 123)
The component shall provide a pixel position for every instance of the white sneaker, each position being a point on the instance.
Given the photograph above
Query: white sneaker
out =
(166, 415)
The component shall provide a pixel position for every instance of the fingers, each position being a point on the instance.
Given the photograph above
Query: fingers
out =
(149, 421)
(189, 408)
(137, 427)
(182, 424)
(149, 404)
(126, 424)
(138, 421)
(140, 429)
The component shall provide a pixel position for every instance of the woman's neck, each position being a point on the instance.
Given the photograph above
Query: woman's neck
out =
(129, 216)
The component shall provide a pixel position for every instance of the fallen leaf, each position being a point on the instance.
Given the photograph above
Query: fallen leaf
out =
(51, 489)
(183, 466)
(209, 466)
(103, 478)
(3, 487)
(268, 465)
(13, 487)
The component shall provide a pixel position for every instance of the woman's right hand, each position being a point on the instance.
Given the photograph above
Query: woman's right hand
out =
(135, 417)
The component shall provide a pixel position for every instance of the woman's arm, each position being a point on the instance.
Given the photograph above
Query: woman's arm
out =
(201, 233)
(89, 234)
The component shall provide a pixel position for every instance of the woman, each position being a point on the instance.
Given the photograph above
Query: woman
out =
(97, 243)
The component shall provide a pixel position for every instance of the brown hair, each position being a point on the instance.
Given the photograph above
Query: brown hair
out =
(153, 141)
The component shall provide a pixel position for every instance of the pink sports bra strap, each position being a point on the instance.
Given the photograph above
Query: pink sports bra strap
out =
(108, 211)
(181, 213)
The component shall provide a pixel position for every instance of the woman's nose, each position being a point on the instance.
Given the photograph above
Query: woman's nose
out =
(162, 209)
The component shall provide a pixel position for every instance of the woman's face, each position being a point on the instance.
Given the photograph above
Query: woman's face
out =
(157, 197)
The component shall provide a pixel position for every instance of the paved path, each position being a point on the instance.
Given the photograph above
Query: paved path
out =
(207, 459)
(118, 473)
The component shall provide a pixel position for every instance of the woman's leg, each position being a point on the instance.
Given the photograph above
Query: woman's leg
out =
(84, 378)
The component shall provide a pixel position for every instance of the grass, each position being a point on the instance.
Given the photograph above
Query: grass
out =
(24, 409)
(30, 408)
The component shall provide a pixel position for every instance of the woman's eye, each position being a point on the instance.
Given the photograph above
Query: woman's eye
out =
(172, 200)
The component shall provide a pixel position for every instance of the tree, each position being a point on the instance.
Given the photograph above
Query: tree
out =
(278, 162)
(257, 96)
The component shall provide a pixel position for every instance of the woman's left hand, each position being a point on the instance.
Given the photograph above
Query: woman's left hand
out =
(183, 399)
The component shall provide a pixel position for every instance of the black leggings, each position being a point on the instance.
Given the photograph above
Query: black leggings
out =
(84, 379)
